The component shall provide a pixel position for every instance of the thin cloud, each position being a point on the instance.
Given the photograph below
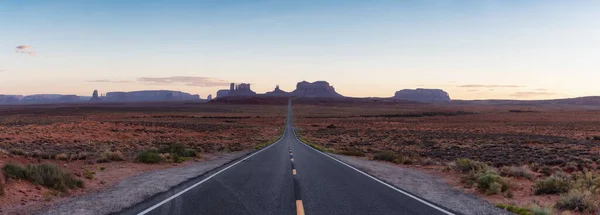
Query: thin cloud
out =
(187, 80)
(3, 70)
(531, 94)
(541, 89)
(108, 81)
(23, 49)
(489, 86)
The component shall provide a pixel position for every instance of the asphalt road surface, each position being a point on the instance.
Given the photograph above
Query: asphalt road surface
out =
(287, 177)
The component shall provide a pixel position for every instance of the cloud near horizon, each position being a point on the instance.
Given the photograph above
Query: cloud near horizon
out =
(531, 94)
(489, 86)
(108, 81)
(187, 80)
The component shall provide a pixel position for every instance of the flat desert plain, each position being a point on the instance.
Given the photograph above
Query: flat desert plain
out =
(525, 158)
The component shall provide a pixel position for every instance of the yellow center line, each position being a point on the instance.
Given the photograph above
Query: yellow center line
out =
(299, 207)
(294, 171)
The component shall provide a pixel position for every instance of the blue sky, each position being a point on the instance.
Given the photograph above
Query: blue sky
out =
(472, 49)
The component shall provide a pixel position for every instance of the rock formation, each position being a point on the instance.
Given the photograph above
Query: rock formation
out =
(95, 97)
(222, 93)
(209, 97)
(242, 89)
(316, 89)
(150, 95)
(277, 92)
(422, 95)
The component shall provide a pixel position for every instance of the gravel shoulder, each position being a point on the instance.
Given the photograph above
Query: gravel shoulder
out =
(423, 185)
(137, 188)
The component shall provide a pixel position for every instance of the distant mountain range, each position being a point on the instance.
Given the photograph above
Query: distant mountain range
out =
(319, 91)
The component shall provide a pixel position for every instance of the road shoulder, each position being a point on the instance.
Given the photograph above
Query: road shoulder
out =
(136, 189)
(423, 185)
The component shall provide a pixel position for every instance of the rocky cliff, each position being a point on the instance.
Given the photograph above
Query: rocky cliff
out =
(315, 89)
(422, 95)
(150, 95)
(277, 92)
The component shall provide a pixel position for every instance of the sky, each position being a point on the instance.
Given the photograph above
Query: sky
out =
(473, 49)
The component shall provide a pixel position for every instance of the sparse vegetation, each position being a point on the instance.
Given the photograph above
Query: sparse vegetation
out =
(577, 200)
(491, 183)
(149, 157)
(515, 209)
(88, 174)
(47, 175)
(541, 211)
(62, 156)
(1, 189)
(557, 183)
(385, 156)
(466, 165)
(516, 171)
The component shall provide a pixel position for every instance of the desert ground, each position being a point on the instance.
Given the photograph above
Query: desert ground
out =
(93, 146)
(528, 159)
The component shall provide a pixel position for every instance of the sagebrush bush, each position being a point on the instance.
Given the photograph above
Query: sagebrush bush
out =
(587, 181)
(542, 211)
(50, 176)
(385, 156)
(149, 157)
(517, 172)
(47, 175)
(491, 183)
(179, 149)
(553, 184)
(15, 171)
(582, 201)
(466, 165)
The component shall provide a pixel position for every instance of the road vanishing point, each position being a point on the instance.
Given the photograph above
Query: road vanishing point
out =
(286, 177)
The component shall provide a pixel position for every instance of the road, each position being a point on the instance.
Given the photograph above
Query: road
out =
(287, 177)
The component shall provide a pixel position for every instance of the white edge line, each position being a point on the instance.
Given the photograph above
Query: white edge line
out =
(206, 179)
(376, 179)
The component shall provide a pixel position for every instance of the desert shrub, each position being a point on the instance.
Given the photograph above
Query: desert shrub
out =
(352, 153)
(88, 174)
(149, 157)
(516, 171)
(587, 181)
(385, 156)
(331, 126)
(116, 156)
(179, 149)
(50, 176)
(596, 138)
(541, 211)
(491, 183)
(1, 189)
(15, 171)
(514, 209)
(466, 165)
(546, 171)
(582, 201)
(16, 151)
(176, 158)
(553, 184)
(62, 156)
